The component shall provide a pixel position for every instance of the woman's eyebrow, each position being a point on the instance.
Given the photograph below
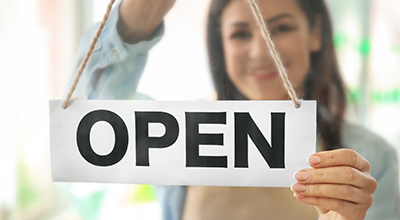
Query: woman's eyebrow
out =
(273, 19)
(240, 24)
(278, 17)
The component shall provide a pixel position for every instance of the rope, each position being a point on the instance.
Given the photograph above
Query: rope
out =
(87, 56)
(274, 53)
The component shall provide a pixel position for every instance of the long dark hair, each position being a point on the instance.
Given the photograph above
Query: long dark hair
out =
(323, 82)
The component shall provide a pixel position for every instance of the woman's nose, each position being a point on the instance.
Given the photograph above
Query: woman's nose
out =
(259, 49)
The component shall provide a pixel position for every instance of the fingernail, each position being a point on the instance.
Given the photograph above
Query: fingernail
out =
(300, 196)
(302, 176)
(299, 188)
(314, 160)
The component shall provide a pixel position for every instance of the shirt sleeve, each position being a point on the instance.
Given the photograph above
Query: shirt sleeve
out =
(386, 197)
(384, 168)
(115, 67)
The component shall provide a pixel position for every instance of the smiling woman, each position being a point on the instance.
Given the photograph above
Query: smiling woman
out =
(340, 183)
(242, 68)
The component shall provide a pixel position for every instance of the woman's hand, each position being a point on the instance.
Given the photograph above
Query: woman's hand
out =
(140, 18)
(339, 186)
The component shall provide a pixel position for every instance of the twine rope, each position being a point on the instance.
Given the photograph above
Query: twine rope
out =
(274, 53)
(87, 55)
(264, 32)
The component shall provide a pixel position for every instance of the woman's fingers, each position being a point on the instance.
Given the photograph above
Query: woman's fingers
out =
(339, 167)
(344, 208)
(342, 192)
(342, 157)
(338, 184)
(336, 175)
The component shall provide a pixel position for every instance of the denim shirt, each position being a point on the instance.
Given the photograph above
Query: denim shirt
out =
(114, 70)
(115, 67)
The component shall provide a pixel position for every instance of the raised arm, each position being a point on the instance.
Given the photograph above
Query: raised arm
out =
(138, 19)
(119, 57)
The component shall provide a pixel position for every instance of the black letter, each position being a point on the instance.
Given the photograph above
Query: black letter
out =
(194, 139)
(144, 142)
(83, 138)
(275, 155)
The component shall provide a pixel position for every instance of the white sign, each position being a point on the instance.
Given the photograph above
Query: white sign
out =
(220, 143)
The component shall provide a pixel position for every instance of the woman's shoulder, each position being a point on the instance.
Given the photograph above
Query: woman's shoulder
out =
(357, 136)
(369, 145)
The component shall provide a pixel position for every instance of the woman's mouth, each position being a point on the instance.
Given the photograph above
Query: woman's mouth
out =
(263, 75)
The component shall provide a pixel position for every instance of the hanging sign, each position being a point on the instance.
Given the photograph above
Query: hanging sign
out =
(220, 143)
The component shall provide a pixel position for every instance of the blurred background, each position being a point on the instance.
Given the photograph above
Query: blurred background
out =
(38, 42)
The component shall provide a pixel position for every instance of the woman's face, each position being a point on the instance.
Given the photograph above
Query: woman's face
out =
(248, 62)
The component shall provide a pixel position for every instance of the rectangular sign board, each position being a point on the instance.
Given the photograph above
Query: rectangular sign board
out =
(214, 143)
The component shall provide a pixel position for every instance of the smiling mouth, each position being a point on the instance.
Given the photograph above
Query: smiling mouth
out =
(262, 75)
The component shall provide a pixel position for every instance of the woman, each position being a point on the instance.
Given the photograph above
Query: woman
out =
(339, 186)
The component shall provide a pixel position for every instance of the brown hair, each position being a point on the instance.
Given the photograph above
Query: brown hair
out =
(323, 82)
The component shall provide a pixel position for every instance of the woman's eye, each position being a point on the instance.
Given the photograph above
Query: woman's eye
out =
(241, 35)
(282, 29)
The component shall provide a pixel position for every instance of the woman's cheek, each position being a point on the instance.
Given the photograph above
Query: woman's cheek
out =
(300, 67)
(295, 56)
(236, 61)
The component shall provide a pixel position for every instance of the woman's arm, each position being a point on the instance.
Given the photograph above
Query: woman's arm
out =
(138, 19)
(120, 55)
(384, 169)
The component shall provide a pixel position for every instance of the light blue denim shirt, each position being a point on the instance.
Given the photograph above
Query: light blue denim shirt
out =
(115, 67)
(122, 66)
